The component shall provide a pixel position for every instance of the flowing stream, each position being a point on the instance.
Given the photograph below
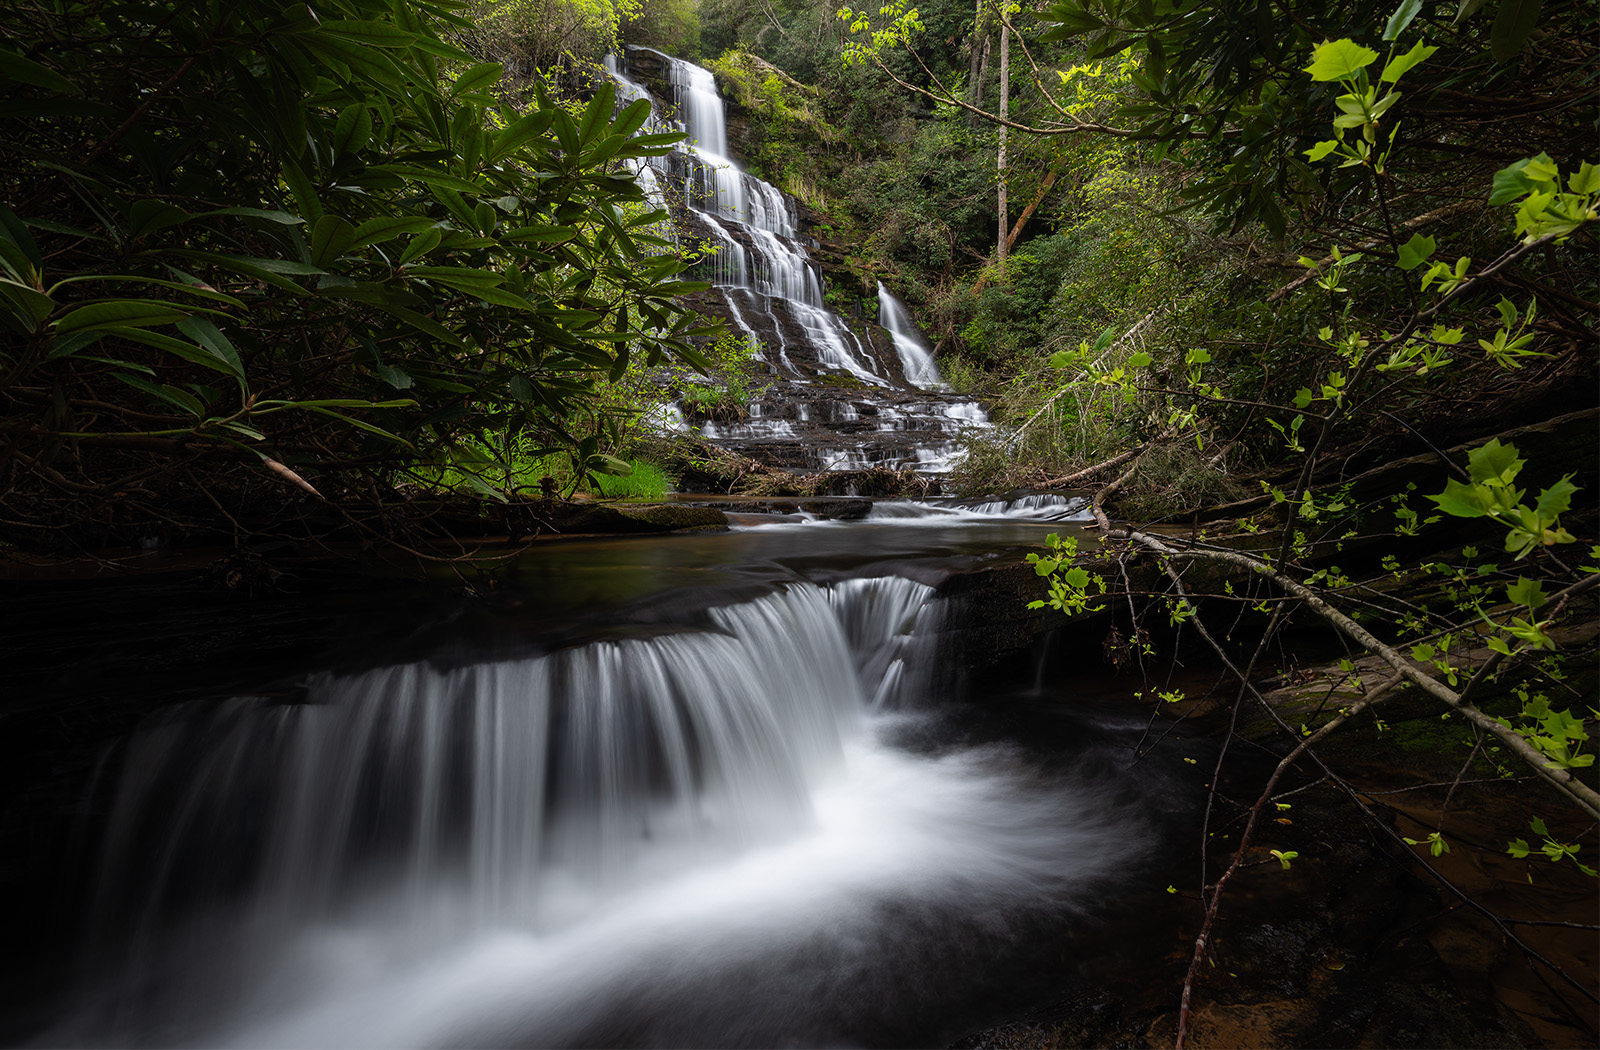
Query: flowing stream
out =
(697, 790)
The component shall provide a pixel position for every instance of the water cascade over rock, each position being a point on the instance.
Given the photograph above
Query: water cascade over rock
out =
(745, 828)
(915, 357)
(836, 397)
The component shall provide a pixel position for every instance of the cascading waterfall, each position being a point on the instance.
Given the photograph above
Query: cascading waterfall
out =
(770, 291)
(668, 840)
(721, 195)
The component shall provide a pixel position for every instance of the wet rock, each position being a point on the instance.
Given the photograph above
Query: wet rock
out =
(551, 516)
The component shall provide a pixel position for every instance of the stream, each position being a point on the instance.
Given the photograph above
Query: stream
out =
(711, 790)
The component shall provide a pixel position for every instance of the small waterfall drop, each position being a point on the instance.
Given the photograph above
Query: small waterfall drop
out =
(703, 836)
(915, 356)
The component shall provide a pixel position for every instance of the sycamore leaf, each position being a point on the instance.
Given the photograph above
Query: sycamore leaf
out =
(1526, 592)
(1339, 60)
(1317, 152)
(1494, 462)
(1462, 501)
(1416, 251)
(1399, 64)
(1554, 501)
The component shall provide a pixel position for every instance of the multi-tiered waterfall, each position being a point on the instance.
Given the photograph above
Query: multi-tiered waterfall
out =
(838, 398)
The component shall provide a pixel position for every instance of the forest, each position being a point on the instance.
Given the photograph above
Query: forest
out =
(1297, 299)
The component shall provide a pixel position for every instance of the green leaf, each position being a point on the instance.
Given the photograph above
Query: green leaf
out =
(1526, 592)
(1586, 180)
(16, 235)
(207, 335)
(1339, 60)
(177, 347)
(1494, 462)
(603, 464)
(598, 112)
(245, 265)
(376, 231)
(357, 423)
(282, 218)
(479, 76)
(1140, 360)
(180, 399)
(1400, 19)
(520, 134)
(34, 306)
(393, 376)
(330, 238)
(1554, 501)
(120, 313)
(1322, 149)
(1397, 66)
(1416, 251)
(377, 34)
(542, 234)
(19, 70)
(353, 130)
(631, 118)
(67, 345)
(421, 245)
(1462, 501)
(1510, 183)
(1514, 20)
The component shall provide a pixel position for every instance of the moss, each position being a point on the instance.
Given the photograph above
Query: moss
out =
(674, 516)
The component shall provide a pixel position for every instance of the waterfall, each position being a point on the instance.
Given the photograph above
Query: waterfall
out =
(821, 372)
(701, 837)
(753, 224)
(915, 357)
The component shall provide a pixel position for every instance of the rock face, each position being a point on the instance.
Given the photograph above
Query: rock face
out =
(838, 395)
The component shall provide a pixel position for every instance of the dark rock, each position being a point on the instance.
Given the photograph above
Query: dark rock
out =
(552, 516)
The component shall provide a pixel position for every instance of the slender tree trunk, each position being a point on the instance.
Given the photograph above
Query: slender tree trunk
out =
(1005, 100)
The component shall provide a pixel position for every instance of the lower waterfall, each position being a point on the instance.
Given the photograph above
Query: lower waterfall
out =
(745, 829)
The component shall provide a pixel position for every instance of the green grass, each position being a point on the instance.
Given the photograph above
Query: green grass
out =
(647, 482)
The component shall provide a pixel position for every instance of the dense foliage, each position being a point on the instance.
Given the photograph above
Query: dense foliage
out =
(247, 245)
(1265, 251)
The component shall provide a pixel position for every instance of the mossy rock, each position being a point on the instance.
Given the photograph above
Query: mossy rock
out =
(673, 517)
(565, 518)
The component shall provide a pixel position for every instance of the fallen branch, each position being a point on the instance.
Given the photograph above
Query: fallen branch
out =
(1090, 471)
(1562, 780)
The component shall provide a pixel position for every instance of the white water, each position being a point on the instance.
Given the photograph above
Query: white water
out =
(915, 357)
(1045, 507)
(705, 837)
(722, 195)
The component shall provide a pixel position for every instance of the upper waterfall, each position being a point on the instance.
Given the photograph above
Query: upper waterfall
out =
(841, 396)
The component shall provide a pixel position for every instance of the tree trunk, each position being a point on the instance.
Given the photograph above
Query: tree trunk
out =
(1005, 100)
